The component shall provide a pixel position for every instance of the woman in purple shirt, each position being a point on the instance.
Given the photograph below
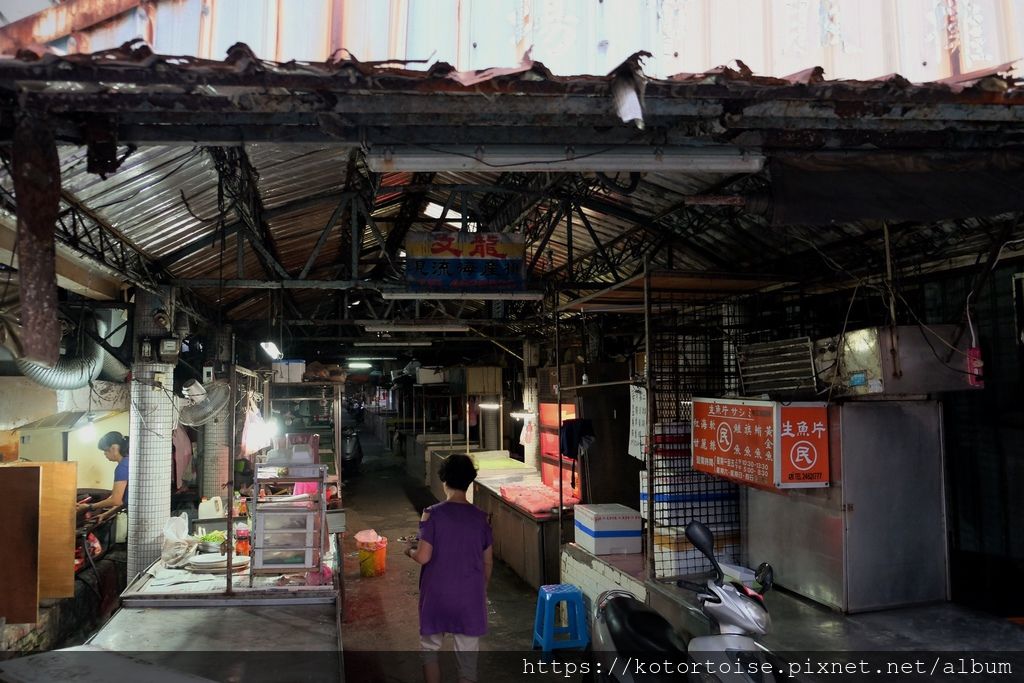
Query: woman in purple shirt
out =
(455, 553)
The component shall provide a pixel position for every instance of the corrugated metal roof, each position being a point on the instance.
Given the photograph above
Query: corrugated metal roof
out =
(924, 40)
(165, 198)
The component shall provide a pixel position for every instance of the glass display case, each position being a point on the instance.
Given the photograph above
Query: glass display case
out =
(303, 409)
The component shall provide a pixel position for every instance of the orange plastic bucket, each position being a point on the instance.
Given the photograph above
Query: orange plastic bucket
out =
(373, 557)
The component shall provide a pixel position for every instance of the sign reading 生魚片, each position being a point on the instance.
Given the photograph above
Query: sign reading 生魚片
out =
(762, 443)
(478, 261)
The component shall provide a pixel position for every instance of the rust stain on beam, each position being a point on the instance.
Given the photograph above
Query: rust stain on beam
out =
(59, 21)
(37, 190)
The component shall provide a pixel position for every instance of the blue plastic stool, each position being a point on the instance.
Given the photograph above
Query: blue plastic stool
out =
(544, 629)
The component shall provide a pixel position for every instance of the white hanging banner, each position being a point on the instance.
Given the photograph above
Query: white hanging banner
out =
(638, 422)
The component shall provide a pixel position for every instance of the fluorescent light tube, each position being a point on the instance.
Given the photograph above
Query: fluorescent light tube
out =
(360, 366)
(272, 350)
(580, 158)
(391, 344)
(489, 406)
(470, 296)
(417, 327)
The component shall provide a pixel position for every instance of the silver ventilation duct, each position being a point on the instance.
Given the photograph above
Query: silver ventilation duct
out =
(70, 372)
(113, 369)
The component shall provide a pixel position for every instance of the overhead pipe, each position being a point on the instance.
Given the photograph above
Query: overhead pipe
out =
(113, 370)
(70, 372)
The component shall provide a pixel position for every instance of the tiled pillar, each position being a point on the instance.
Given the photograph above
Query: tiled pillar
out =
(151, 421)
(531, 403)
(152, 418)
(215, 457)
(216, 454)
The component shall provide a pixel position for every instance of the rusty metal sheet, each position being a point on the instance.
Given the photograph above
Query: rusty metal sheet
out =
(59, 21)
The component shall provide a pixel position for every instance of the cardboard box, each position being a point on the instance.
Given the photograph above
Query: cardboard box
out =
(608, 529)
(674, 555)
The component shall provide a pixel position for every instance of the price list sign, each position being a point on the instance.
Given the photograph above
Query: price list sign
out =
(761, 443)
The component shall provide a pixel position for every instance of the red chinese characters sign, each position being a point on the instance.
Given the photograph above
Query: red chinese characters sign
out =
(803, 446)
(761, 443)
(465, 261)
(735, 440)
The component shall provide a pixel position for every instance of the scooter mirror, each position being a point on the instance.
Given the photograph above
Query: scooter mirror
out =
(703, 540)
(765, 576)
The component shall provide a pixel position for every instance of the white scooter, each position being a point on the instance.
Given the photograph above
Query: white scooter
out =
(632, 643)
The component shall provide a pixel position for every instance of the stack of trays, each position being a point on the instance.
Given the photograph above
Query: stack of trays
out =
(216, 563)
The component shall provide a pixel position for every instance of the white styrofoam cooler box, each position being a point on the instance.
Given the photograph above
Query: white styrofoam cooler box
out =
(608, 529)
(679, 498)
(296, 369)
(280, 371)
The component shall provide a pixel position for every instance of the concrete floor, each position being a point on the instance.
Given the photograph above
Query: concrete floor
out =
(381, 627)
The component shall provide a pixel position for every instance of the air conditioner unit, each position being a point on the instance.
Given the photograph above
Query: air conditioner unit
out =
(776, 368)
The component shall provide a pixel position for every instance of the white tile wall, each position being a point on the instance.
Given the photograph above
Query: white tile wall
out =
(216, 457)
(597, 577)
(151, 420)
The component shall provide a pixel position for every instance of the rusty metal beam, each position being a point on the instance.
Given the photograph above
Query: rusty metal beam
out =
(335, 215)
(60, 20)
(597, 244)
(75, 273)
(36, 171)
(556, 215)
(412, 207)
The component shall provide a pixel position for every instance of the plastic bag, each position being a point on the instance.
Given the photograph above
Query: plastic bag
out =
(178, 546)
(368, 537)
(255, 433)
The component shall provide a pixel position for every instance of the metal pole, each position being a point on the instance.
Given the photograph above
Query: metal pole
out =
(501, 422)
(232, 416)
(451, 423)
(467, 423)
(558, 401)
(424, 396)
(651, 407)
(357, 239)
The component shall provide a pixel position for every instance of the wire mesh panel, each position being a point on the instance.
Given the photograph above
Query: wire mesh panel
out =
(693, 353)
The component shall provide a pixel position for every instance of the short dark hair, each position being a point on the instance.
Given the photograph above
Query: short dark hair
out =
(457, 471)
(111, 438)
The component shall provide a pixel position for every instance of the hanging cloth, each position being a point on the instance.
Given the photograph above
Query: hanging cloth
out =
(182, 446)
(575, 439)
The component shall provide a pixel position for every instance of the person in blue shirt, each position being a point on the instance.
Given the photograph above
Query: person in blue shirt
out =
(115, 447)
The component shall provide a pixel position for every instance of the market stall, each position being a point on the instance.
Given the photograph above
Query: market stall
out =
(526, 538)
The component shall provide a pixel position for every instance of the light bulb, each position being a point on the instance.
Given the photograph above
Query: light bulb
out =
(88, 431)
(272, 350)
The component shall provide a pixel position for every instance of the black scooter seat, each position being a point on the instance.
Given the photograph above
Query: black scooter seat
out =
(637, 629)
